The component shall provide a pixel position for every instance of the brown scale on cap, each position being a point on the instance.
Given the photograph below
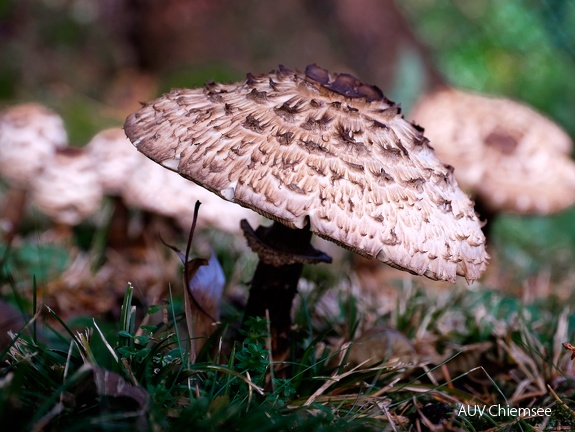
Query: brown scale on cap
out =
(324, 150)
(345, 84)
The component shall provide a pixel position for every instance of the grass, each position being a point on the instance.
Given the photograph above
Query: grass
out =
(472, 348)
(420, 359)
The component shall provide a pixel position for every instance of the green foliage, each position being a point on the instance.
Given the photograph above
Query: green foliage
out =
(55, 384)
(534, 244)
(254, 358)
(32, 260)
(198, 75)
(522, 49)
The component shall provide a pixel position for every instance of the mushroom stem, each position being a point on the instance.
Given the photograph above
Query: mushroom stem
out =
(118, 225)
(487, 214)
(283, 252)
(273, 289)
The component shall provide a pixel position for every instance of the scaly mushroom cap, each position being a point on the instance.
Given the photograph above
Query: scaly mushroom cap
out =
(324, 149)
(114, 159)
(68, 190)
(29, 136)
(510, 156)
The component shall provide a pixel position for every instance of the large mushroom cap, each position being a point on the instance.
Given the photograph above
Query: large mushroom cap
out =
(324, 149)
(29, 136)
(506, 153)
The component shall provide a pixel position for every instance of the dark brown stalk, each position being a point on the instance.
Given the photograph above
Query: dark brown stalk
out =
(283, 252)
(118, 226)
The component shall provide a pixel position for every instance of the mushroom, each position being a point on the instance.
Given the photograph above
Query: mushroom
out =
(114, 161)
(510, 157)
(29, 136)
(68, 190)
(153, 188)
(317, 153)
(133, 180)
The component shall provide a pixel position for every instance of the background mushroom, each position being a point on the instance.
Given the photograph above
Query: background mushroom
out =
(155, 189)
(507, 155)
(29, 136)
(68, 190)
(316, 153)
(114, 161)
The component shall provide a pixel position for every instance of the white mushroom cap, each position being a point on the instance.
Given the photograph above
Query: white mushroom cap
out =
(144, 188)
(29, 136)
(328, 150)
(507, 154)
(68, 190)
(153, 188)
(114, 159)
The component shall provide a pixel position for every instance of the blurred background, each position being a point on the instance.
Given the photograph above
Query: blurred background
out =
(93, 61)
